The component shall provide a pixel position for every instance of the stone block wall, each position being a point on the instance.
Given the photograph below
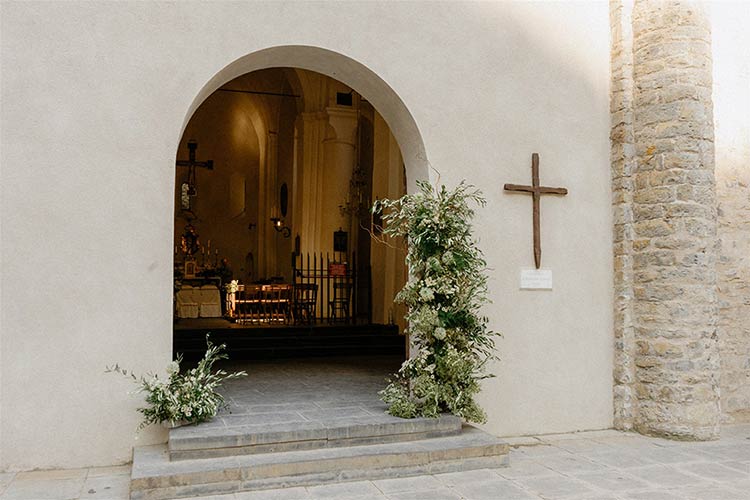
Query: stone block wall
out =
(667, 376)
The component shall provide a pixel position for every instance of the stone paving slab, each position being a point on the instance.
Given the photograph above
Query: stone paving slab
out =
(514, 482)
(570, 467)
(5, 479)
(98, 483)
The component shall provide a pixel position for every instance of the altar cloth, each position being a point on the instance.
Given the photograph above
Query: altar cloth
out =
(194, 302)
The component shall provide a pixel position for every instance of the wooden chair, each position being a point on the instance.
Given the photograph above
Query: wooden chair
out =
(304, 303)
(248, 303)
(275, 303)
(338, 305)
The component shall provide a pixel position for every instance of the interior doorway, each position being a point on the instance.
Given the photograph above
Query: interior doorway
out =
(275, 174)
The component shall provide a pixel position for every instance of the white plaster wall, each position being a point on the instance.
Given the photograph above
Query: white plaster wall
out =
(94, 98)
(731, 95)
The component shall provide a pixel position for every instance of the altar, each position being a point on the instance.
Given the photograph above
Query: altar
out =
(201, 301)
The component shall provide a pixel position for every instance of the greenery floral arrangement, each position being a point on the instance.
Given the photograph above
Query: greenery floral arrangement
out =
(232, 286)
(446, 289)
(188, 397)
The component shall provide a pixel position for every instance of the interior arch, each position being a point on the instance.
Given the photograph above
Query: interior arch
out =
(346, 70)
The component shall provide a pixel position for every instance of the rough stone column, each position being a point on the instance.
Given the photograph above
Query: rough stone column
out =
(623, 161)
(674, 254)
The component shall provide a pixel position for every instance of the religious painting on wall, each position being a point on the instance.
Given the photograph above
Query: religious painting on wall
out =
(340, 241)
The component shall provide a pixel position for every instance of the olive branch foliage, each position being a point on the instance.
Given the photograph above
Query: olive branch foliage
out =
(190, 397)
(446, 290)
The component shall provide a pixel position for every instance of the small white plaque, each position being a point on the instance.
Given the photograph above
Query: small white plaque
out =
(536, 279)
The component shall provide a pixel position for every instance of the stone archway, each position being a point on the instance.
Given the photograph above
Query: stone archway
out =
(367, 84)
(346, 70)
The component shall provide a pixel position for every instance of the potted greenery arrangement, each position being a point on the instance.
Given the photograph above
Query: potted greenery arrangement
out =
(183, 398)
(447, 286)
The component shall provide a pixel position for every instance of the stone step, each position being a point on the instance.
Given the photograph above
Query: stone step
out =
(250, 434)
(155, 477)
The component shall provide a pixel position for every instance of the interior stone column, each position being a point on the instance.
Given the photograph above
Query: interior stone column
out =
(314, 125)
(262, 229)
(674, 214)
(340, 160)
(271, 204)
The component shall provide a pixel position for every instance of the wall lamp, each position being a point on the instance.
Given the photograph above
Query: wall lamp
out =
(278, 225)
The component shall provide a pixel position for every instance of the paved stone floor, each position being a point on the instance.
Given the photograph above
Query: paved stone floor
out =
(597, 465)
(304, 391)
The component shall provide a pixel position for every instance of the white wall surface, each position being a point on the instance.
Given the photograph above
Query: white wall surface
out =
(731, 95)
(94, 99)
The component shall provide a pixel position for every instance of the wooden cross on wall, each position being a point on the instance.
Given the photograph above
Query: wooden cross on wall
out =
(188, 188)
(536, 191)
(191, 163)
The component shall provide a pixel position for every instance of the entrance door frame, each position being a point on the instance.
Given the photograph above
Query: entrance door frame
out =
(344, 69)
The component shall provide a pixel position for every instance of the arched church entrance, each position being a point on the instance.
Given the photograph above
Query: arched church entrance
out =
(275, 173)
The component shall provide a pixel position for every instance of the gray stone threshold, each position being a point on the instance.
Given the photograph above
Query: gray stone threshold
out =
(195, 442)
(155, 477)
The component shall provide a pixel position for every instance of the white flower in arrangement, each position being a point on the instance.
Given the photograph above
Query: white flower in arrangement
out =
(447, 285)
(232, 286)
(426, 294)
(447, 257)
(189, 397)
(173, 367)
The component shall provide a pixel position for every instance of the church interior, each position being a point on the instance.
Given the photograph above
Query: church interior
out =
(276, 250)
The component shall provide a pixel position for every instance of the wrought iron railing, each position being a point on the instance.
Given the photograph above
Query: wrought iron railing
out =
(336, 284)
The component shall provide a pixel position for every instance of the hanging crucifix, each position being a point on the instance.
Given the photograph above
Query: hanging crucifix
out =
(188, 188)
(536, 191)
